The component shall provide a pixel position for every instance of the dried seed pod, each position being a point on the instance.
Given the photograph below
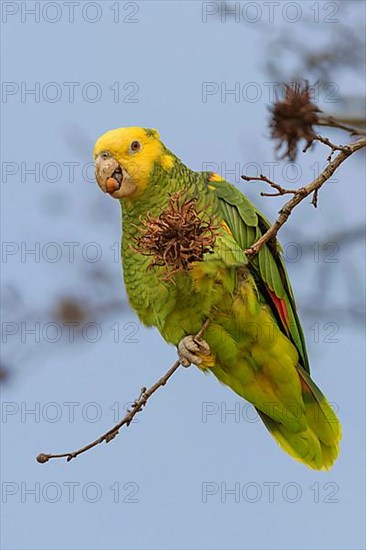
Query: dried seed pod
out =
(177, 237)
(293, 118)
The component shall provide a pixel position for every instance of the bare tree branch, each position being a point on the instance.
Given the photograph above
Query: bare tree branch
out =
(137, 406)
(332, 122)
(280, 190)
(333, 146)
(303, 192)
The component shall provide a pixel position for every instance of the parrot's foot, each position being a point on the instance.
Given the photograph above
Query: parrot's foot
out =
(191, 350)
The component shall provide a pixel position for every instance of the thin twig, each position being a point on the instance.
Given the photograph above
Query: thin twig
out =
(303, 192)
(314, 200)
(333, 146)
(332, 122)
(280, 190)
(137, 406)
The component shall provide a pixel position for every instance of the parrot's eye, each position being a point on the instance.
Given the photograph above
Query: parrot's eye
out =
(135, 146)
(105, 155)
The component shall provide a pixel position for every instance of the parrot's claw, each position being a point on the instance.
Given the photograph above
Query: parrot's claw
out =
(190, 349)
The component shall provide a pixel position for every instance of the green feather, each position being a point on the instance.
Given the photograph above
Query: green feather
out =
(247, 225)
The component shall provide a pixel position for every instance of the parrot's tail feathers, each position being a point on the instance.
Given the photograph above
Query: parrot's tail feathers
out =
(317, 446)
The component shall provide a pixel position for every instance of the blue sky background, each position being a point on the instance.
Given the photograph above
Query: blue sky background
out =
(165, 460)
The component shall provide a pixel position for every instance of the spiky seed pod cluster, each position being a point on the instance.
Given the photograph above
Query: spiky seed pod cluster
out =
(293, 118)
(176, 238)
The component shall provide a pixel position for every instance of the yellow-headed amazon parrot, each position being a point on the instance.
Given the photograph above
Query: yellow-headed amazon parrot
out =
(254, 342)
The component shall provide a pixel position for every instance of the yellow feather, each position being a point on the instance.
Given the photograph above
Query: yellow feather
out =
(227, 228)
(215, 177)
(167, 162)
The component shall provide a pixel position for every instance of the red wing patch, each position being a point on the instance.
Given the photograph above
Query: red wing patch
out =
(304, 386)
(281, 307)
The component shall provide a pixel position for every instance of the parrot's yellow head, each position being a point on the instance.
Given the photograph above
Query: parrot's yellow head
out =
(124, 159)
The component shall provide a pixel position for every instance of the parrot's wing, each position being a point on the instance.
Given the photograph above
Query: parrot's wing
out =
(247, 225)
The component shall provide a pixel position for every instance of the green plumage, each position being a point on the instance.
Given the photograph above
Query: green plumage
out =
(257, 346)
(253, 351)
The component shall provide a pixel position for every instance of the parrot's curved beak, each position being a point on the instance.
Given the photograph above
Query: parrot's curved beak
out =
(112, 178)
